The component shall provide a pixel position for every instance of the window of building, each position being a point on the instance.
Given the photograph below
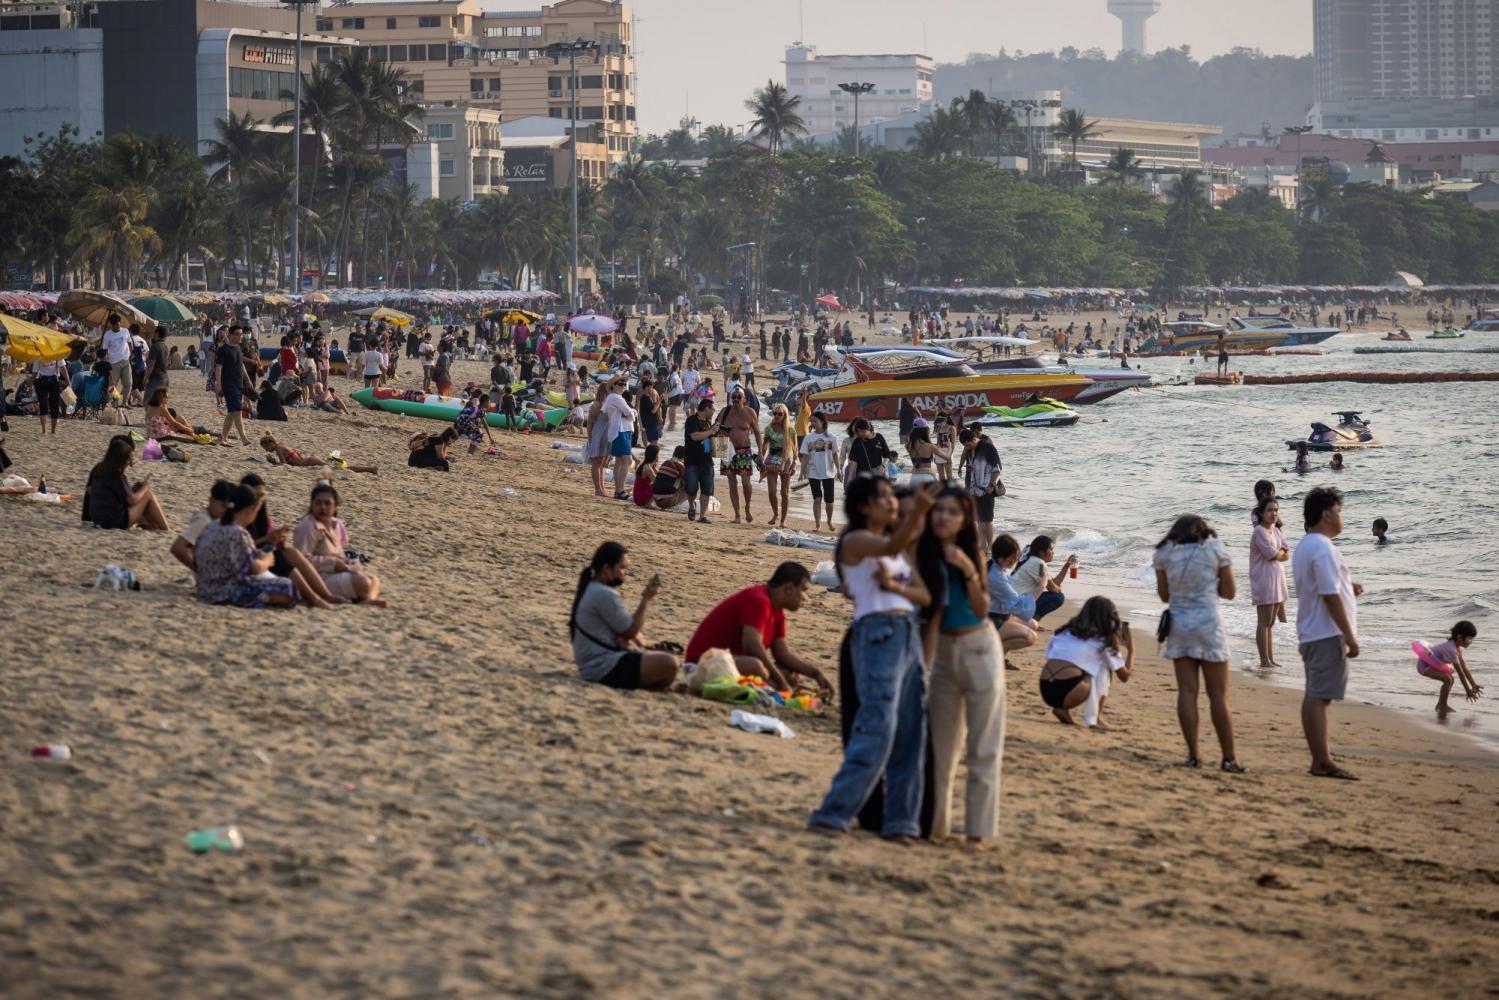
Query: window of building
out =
(1431, 133)
(629, 112)
(324, 54)
(429, 21)
(554, 112)
(416, 87)
(475, 85)
(494, 84)
(353, 24)
(591, 112)
(554, 84)
(325, 24)
(591, 82)
(390, 24)
(378, 53)
(398, 53)
(445, 168)
(440, 130)
(437, 53)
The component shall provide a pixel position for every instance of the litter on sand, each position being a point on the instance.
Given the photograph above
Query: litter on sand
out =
(800, 539)
(752, 723)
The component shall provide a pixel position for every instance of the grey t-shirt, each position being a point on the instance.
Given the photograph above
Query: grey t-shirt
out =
(602, 615)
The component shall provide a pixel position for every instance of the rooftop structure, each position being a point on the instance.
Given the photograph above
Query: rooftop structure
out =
(902, 83)
(1134, 14)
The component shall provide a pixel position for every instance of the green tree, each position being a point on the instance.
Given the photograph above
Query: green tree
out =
(775, 115)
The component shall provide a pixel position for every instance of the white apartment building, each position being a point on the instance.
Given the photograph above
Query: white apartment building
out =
(902, 82)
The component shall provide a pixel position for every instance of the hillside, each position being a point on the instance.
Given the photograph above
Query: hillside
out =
(1240, 91)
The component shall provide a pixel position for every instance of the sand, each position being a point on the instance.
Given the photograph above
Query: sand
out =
(434, 805)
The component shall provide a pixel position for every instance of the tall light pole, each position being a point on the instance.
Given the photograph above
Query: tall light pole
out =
(295, 285)
(1298, 131)
(856, 89)
(556, 50)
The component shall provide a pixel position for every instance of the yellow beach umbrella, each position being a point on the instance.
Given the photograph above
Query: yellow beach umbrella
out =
(392, 316)
(28, 342)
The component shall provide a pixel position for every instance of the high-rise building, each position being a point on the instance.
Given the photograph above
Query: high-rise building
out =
(902, 82)
(1398, 49)
(456, 51)
(1134, 14)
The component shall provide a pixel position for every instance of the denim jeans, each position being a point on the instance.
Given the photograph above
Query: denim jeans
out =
(1048, 602)
(889, 730)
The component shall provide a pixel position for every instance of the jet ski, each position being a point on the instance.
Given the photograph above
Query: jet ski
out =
(1445, 335)
(1038, 412)
(1400, 338)
(1352, 431)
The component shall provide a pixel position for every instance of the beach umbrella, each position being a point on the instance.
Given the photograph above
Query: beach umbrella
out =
(93, 308)
(593, 323)
(163, 309)
(392, 316)
(319, 297)
(831, 301)
(515, 316)
(28, 342)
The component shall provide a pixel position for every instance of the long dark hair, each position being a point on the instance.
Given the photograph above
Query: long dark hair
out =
(930, 561)
(1189, 529)
(240, 498)
(117, 456)
(1259, 511)
(1039, 544)
(1097, 619)
(856, 497)
(607, 554)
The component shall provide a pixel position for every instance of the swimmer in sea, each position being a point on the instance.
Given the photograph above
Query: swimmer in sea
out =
(1381, 528)
(1336, 464)
(1303, 458)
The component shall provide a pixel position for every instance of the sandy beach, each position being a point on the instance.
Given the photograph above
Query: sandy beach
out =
(434, 806)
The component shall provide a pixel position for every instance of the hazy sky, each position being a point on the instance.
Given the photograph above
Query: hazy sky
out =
(713, 53)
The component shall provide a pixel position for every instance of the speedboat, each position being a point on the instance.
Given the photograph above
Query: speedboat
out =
(1043, 412)
(1352, 431)
(1295, 336)
(1107, 382)
(872, 386)
(1397, 337)
(1199, 336)
(1444, 334)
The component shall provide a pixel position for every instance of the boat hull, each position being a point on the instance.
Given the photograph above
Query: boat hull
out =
(372, 399)
(880, 400)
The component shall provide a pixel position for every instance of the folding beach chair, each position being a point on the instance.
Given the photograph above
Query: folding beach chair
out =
(93, 397)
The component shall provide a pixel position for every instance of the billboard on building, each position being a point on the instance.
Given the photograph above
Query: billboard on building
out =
(528, 169)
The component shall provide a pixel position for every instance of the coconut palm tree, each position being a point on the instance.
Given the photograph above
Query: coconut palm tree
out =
(972, 115)
(1124, 166)
(1001, 122)
(112, 235)
(229, 157)
(322, 97)
(1073, 127)
(775, 115)
(939, 137)
(1189, 205)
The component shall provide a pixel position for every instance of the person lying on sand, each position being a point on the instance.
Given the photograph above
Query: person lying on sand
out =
(279, 454)
(751, 625)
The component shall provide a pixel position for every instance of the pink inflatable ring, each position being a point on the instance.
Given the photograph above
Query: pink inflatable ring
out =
(1429, 665)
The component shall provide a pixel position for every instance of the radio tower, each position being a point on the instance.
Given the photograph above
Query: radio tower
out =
(1134, 14)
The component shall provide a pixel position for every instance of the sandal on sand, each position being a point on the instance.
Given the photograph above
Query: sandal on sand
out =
(1191, 762)
(1336, 772)
(1233, 767)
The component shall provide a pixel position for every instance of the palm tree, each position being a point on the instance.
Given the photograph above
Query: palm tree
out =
(1189, 206)
(939, 137)
(972, 114)
(775, 115)
(400, 208)
(1002, 123)
(1124, 166)
(1073, 127)
(112, 234)
(229, 156)
(322, 96)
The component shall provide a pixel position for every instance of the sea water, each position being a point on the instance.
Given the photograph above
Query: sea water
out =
(1109, 488)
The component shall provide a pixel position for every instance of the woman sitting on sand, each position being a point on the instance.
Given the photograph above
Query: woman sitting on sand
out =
(1009, 611)
(162, 421)
(1192, 572)
(643, 490)
(607, 643)
(228, 566)
(1082, 658)
(325, 398)
(280, 454)
(430, 451)
(287, 560)
(109, 501)
(320, 537)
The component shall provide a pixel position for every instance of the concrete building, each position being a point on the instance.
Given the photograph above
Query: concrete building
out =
(1279, 182)
(455, 51)
(1134, 14)
(1405, 48)
(168, 67)
(902, 83)
(1480, 194)
(469, 150)
(1426, 119)
(539, 156)
(51, 77)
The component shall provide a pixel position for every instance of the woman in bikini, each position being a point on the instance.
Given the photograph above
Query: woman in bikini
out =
(280, 454)
(778, 450)
(924, 454)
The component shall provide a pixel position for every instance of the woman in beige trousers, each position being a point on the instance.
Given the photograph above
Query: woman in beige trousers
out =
(966, 695)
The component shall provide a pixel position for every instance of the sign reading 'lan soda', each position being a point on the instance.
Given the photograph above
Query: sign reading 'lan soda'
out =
(272, 55)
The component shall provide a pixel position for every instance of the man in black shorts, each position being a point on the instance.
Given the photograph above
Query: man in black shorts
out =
(229, 377)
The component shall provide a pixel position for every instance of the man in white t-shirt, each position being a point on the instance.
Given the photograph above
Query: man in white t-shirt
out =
(117, 353)
(1326, 622)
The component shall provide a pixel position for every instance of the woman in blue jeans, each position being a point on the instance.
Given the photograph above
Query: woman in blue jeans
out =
(1031, 578)
(889, 730)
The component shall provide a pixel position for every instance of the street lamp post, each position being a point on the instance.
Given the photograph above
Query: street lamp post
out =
(296, 158)
(856, 89)
(1298, 131)
(555, 50)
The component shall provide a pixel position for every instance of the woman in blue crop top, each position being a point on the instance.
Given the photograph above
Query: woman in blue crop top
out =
(967, 683)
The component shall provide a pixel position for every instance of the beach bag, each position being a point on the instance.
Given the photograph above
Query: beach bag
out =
(1164, 628)
(714, 665)
(69, 398)
(152, 451)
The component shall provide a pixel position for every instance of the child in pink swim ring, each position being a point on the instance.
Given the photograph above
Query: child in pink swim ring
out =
(1444, 661)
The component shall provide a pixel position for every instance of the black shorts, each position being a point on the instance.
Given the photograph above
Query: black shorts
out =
(984, 508)
(625, 675)
(1054, 693)
(674, 400)
(823, 489)
(234, 400)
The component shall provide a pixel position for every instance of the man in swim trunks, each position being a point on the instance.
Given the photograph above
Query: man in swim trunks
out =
(740, 423)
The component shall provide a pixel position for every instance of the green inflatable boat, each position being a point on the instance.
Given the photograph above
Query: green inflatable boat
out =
(446, 408)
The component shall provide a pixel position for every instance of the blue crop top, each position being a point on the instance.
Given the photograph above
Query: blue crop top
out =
(957, 613)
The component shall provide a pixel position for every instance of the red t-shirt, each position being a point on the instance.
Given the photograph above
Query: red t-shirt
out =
(288, 359)
(725, 624)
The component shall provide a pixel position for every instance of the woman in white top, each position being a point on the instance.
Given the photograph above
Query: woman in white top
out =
(1031, 577)
(374, 366)
(819, 452)
(1268, 555)
(1192, 571)
(889, 731)
(1081, 659)
(621, 416)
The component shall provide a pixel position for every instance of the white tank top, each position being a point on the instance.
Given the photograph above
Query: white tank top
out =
(868, 596)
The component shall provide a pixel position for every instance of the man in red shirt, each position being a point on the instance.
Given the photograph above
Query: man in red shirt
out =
(751, 625)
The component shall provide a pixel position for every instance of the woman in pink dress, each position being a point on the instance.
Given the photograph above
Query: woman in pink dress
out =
(1267, 577)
